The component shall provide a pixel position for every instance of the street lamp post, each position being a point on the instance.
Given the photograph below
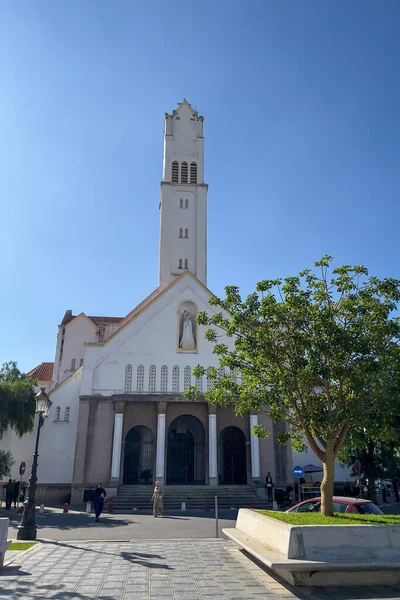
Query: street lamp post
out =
(27, 528)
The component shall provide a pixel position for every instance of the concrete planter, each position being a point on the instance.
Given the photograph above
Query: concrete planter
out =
(321, 554)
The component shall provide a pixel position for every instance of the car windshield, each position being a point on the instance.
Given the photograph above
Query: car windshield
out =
(368, 509)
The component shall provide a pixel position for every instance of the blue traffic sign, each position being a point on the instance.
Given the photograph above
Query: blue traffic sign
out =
(298, 472)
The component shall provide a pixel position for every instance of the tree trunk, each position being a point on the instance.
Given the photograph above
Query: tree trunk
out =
(327, 484)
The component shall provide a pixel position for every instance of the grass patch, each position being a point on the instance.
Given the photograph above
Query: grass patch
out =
(337, 519)
(21, 545)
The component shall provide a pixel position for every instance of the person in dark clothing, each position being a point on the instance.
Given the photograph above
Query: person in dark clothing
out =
(98, 500)
(270, 484)
(9, 494)
(16, 492)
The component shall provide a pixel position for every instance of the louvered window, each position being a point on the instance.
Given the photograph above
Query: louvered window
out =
(193, 172)
(175, 172)
(66, 414)
(184, 172)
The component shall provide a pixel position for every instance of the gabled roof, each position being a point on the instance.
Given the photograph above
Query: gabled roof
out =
(147, 302)
(188, 105)
(97, 321)
(43, 372)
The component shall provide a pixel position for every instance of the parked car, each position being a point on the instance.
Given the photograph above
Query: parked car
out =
(341, 504)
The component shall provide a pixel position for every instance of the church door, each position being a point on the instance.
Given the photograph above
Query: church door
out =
(186, 451)
(234, 471)
(132, 457)
(180, 457)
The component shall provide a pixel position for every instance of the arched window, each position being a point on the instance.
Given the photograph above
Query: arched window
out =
(187, 377)
(58, 412)
(73, 363)
(175, 378)
(210, 382)
(128, 378)
(152, 378)
(180, 232)
(186, 263)
(81, 363)
(66, 414)
(199, 384)
(186, 203)
(140, 378)
(221, 372)
(186, 233)
(180, 263)
(184, 172)
(181, 203)
(175, 172)
(164, 379)
(193, 172)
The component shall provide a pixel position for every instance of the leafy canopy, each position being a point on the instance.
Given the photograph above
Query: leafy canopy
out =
(17, 399)
(6, 462)
(318, 351)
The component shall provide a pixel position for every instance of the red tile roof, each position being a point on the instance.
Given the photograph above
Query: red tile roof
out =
(43, 372)
(106, 320)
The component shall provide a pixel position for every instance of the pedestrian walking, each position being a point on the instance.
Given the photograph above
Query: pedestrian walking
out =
(270, 484)
(98, 500)
(158, 502)
(16, 492)
(9, 494)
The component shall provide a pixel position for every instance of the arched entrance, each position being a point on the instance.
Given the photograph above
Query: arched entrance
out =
(186, 451)
(233, 456)
(138, 459)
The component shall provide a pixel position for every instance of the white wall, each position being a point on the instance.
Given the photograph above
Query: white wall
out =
(308, 458)
(183, 141)
(57, 439)
(77, 332)
(150, 339)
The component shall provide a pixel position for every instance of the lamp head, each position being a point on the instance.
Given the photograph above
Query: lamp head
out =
(43, 403)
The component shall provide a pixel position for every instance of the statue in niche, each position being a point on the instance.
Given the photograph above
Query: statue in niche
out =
(187, 341)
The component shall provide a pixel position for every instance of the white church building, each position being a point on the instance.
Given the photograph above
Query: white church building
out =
(118, 414)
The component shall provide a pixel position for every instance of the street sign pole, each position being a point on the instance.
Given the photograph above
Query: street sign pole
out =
(298, 472)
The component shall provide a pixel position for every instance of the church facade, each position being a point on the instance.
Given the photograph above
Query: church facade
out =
(118, 413)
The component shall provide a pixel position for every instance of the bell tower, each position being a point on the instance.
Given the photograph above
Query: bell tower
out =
(183, 203)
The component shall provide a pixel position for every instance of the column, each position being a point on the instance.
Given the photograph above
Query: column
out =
(255, 449)
(212, 445)
(117, 442)
(161, 423)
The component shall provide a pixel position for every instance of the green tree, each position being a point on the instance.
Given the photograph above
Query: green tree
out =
(311, 350)
(6, 462)
(17, 399)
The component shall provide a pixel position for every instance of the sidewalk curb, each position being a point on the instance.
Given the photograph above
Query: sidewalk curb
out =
(21, 553)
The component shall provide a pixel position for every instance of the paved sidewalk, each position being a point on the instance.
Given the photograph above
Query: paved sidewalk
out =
(149, 570)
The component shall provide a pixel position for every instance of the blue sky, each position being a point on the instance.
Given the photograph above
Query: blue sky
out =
(301, 103)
